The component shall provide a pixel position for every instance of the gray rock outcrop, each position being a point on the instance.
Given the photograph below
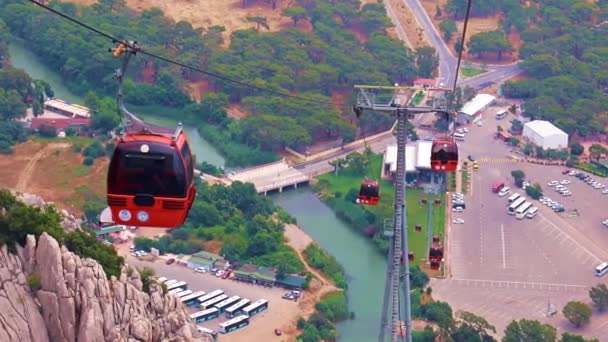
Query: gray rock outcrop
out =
(74, 301)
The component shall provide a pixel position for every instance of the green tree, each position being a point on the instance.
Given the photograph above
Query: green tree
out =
(259, 22)
(577, 313)
(597, 151)
(528, 330)
(518, 177)
(427, 60)
(489, 42)
(471, 327)
(11, 105)
(599, 296)
(576, 338)
(296, 14)
(576, 148)
(534, 191)
(448, 28)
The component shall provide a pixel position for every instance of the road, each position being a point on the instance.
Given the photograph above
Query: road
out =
(319, 166)
(448, 63)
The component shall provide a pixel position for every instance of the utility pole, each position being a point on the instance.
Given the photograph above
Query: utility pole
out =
(398, 248)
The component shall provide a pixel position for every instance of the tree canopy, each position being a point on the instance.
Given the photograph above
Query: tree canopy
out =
(317, 65)
(564, 55)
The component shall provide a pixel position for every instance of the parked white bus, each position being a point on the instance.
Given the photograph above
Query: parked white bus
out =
(513, 197)
(520, 212)
(513, 206)
(532, 212)
(601, 269)
(183, 293)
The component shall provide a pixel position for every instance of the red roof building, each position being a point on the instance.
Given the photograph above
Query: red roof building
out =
(425, 82)
(60, 124)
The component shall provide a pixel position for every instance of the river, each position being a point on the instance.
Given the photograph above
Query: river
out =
(365, 267)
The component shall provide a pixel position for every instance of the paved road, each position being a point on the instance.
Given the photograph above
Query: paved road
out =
(503, 268)
(447, 62)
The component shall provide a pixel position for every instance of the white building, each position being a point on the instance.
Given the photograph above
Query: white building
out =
(545, 134)
(471, 110)
(417, 158)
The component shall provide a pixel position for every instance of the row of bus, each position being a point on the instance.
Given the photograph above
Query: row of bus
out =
(521, 207)
(213, 304)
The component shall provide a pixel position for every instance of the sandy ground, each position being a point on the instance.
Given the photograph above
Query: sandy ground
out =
(282, 314)
(53, 171)
(414, 34)
(206, 13)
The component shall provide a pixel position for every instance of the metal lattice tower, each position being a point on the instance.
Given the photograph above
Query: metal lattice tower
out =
(395, 299)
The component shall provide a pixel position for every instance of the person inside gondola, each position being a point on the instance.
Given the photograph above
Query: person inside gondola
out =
(442, 155)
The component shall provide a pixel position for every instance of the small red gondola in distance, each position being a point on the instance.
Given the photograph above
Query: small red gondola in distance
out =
(151, 180)
(369, 193)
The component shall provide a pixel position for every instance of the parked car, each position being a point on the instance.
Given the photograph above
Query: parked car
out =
(458, 221)
(278, 332)
(200, 270)
(170, 261)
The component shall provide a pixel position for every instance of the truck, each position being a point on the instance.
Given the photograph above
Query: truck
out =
(497, 186)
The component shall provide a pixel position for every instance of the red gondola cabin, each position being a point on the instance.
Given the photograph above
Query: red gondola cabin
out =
(150, 180)
(444, 155)
(369, 193)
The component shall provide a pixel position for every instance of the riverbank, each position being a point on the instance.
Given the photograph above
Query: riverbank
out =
(319, 286)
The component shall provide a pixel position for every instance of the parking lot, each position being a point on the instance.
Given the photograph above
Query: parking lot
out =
(262, 325)
(518, 266)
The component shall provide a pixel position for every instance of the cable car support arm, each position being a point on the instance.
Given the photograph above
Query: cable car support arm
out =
(367, 100)
(124, 50)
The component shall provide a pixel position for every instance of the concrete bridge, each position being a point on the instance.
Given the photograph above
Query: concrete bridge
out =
(271, 177)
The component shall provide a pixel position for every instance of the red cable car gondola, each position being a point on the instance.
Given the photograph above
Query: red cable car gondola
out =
(151, 175)
(151, 180)
(444, 153)
(369, 193)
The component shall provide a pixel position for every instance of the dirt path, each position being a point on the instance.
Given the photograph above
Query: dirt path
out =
(26, 174)
(298, 239)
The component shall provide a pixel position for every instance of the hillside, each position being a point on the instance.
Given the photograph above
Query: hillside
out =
(50, 294)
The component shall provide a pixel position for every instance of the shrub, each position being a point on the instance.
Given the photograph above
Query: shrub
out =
(33, 281)
(88, 161)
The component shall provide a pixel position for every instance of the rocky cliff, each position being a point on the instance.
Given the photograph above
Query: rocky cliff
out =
(72, 300)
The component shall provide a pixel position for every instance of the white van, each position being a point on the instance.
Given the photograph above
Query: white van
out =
(532, 212)
(501, 114)
(601, 269)
(459, 136)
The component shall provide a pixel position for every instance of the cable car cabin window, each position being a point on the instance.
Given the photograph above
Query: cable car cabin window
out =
(157, 174)
(444, 152)
(187, 155)
(369, 190)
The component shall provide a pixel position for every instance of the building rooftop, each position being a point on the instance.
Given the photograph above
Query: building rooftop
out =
(417, 156)
(425, 81)
(544, 128)
(292, 280)
(476, 104)
(261, 272)
(59, 124)
(69, 108)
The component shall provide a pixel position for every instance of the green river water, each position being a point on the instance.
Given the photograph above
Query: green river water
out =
(365, 267)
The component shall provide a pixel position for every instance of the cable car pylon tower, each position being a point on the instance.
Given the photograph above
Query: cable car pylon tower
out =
(394, 299)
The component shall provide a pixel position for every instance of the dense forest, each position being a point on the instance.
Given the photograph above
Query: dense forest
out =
(249, 228)
(315, 65)
(565, 58)
(17, 92)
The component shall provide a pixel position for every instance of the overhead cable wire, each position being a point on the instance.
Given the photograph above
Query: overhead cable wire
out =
(464, 33)
(177, 63)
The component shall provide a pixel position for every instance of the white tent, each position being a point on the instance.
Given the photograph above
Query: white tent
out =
(106, 216)
(545, 134)
(476, 105)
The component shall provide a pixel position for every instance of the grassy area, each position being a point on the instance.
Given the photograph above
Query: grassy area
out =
(333, 185)
(465, 181)
(591, 168)
(471, 72)
(417, 98)
(451, 179)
